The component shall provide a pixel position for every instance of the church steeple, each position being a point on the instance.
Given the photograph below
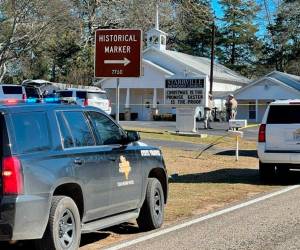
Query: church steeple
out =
(155, 37)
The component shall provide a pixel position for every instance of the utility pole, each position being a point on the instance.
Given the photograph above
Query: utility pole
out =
(212, 57)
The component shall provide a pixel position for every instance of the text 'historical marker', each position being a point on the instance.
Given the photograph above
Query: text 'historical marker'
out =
(118, 53)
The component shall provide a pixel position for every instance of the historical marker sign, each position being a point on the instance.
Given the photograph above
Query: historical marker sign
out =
(118, 53)
(185, 91)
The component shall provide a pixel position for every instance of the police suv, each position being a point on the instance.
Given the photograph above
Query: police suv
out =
(68, 170)
(279, 138)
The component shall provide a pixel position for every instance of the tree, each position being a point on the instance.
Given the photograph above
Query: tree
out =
(239, 40)
(193, 30)
(96, 14)
(23, 25)
(282, 51)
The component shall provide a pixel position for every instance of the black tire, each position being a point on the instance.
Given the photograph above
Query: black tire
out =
(282, 171)
(152, 212)
(266, 171)
(59, 236)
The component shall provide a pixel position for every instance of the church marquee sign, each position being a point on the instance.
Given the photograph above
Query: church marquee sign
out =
(185, 91)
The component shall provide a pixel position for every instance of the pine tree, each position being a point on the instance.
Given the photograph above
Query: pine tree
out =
(282, 50)
(239, 40)
(193, 30)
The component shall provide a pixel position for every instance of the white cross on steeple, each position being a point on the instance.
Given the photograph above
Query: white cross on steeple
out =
(157, 17)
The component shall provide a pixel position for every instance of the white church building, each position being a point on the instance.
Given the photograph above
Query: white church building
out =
(143, 96)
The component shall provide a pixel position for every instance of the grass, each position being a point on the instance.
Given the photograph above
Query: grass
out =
(222, 142)
(208, 182)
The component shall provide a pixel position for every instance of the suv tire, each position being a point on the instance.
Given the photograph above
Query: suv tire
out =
(64, 228)
(152, 212)
(266, 171)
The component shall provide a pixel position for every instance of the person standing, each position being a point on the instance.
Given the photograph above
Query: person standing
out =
(234, 105)
(231, 107)
(207, 112)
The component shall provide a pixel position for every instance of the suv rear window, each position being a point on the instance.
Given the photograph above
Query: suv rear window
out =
(31, 131)
(286, 114)
(32, 92)
(65, 93)
(12, 90)
(81, 94)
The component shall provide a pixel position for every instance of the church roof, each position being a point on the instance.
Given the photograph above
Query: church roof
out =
(292, 81)
(167, 72)
(281, 78)
(201, 65)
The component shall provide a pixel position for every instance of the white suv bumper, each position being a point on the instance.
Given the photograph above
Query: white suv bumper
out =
(277, 157)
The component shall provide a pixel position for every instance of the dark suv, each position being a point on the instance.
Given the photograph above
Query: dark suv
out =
(68, 170)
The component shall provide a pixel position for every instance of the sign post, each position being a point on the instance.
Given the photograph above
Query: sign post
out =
(118, 101)
(118, 54)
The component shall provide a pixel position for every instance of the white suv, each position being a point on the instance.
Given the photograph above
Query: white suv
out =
(279, 138)
(86, 97)
(12, 92)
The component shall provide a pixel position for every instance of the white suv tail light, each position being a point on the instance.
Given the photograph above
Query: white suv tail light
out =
(262, 133)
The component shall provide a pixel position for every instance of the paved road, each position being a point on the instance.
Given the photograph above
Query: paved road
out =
(218, 128)
(270, 224)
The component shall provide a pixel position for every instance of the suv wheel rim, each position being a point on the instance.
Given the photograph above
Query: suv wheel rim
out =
(157, 203)
(66, 230)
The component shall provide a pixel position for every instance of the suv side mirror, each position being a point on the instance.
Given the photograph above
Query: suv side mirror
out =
(132, 136)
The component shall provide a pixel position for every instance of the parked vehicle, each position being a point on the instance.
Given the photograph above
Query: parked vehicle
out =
(12, 92)
(38, 88)
(68, 170)
(279, 139)
(86, 97)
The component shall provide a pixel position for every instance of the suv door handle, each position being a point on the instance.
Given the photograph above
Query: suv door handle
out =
(78, 161)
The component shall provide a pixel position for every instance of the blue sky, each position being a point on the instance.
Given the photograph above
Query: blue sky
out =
(217, 8)
(260, 21)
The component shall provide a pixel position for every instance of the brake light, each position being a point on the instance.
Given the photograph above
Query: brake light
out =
(262, 133)
(24, 97)
(12, 176)
(86, 102)
(11, 101)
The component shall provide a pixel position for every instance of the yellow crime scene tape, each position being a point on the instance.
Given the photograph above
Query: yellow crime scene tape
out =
(189, 105)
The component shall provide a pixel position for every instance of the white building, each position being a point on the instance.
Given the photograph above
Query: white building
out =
(141, 96)
(254, 98)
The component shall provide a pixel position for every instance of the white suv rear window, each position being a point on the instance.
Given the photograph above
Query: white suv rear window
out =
(285, 114)
(65, 93)
(12, 90)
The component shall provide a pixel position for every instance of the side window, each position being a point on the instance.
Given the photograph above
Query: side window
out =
(80, 129)
(66, 136)
(31, 131)
(107, 131)
(81, 94)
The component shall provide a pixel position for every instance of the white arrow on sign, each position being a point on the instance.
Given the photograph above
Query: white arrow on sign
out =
(125, 61)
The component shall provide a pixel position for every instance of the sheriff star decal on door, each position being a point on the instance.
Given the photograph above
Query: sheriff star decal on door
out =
(124, 166)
